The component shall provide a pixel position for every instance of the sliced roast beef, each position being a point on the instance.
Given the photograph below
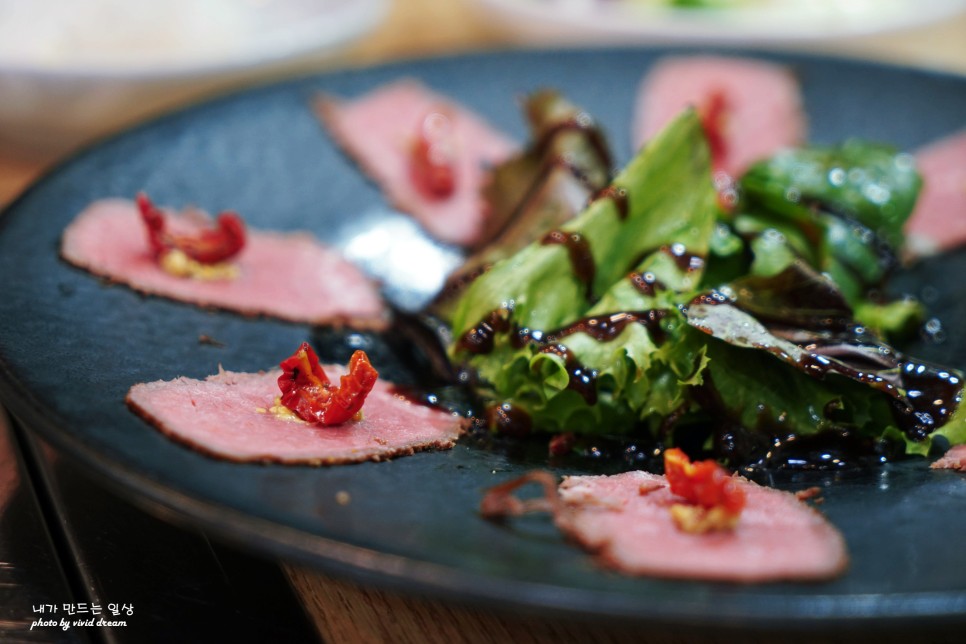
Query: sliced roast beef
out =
(939, 221)
(235, 416)
(954, 459)
(289, 276)
(750, 108)
(380, 130)
(626, 520)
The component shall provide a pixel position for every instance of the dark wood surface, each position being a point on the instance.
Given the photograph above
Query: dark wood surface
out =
(67, 542)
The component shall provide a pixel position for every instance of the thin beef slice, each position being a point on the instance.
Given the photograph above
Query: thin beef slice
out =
(290, 276)
(626, 520)
(229, 415)
(378, 131)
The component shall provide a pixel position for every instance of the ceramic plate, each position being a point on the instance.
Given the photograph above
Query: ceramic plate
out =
(71, 346)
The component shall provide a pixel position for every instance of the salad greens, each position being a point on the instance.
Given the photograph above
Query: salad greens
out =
(843, 208)
(538, 283)
(763, 322)
(568, 161)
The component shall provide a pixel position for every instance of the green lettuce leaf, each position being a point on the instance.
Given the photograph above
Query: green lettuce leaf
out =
(869, 182)
(539, 285)
(841, 209)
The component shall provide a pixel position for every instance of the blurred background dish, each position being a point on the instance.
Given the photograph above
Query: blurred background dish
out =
(746, 22)
(73, 70)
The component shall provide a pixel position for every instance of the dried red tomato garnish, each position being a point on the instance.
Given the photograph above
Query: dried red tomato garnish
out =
(208, 246)
(307, 391)
(562, 444)
(433, 157)
(714, 114)
(702, 483)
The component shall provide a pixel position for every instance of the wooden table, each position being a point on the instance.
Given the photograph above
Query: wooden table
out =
(346, 612)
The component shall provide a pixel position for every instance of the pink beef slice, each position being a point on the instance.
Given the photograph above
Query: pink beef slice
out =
(954, 459)
(378, 131)
(289, 276)
(938, 222)
(762, 110)
(229, 416)
(626, 520)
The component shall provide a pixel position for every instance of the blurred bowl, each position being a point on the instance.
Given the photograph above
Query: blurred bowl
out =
(74, 70)
(739, 22)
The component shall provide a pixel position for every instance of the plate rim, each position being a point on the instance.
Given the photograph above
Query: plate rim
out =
(365, 566)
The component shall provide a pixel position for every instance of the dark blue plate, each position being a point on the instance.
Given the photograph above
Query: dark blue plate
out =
(71, 346)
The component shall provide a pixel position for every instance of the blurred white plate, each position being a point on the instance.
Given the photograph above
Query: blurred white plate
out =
(745, 22)
(73, 70)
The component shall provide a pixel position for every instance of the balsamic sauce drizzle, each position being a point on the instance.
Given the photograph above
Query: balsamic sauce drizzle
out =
(479, 339)
(581, 259)
(581, 379)
(617, 195)
(508, 420)
(646, 283)
(457, 283)
(932, 393)
(686, 261)
(604, 328)
(583, 123)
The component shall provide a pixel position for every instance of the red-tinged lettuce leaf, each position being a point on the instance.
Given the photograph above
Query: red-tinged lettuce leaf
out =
(798, 319)
(568, 153)
(565, 164)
